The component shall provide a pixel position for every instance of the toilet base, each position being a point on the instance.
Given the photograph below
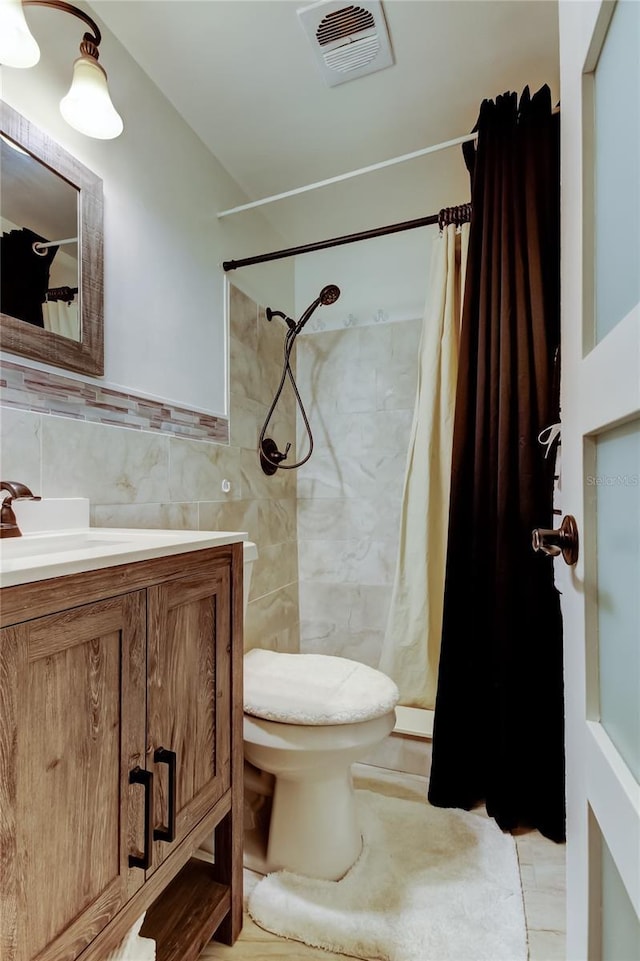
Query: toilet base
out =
(314, 826)
(258, 801)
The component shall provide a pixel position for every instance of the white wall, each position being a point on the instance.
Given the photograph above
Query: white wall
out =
(164, 303)
(381, 280)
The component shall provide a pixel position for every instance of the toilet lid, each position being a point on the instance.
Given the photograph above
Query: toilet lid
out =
(314, 689)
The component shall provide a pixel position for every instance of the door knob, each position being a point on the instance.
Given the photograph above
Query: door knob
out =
(562, 541)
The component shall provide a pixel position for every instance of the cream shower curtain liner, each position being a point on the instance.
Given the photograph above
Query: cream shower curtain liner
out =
(61, 318)
(411, 647)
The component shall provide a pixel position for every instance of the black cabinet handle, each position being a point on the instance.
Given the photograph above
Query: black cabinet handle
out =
(140, 776)
(163, 756)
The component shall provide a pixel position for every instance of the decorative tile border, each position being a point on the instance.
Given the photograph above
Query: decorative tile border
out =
(48, 393)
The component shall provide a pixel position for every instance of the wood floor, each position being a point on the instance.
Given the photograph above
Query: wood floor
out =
(541, 870)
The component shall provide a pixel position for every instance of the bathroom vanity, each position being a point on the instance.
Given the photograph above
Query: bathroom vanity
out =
(120, 742)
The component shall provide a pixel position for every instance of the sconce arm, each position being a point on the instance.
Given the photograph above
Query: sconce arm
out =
(69, 8)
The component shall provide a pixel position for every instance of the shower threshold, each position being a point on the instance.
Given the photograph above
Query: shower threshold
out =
(414, 722)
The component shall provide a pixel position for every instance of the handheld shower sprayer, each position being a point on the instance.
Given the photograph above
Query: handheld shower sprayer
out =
(270, 457)
(329, 295)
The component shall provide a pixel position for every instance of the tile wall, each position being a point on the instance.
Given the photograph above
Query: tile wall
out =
(360, 382)
(140, 478)
(333, 524)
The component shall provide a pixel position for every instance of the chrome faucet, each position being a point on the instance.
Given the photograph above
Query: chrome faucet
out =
(17, 492)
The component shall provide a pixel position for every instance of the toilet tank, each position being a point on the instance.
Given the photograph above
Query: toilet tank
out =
(250, 553)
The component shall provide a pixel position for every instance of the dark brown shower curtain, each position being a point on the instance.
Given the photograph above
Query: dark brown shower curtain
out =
(498, 733)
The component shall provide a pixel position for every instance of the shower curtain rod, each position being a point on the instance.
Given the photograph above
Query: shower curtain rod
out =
(352, 173)
(41, 245)
(455, 215)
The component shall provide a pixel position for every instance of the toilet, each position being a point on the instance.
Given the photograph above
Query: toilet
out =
(307, 718)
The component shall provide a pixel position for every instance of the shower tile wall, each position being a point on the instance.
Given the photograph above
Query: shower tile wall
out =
(136, 478)
(361, 384)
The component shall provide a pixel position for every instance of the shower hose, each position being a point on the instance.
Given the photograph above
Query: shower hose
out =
(270, 457)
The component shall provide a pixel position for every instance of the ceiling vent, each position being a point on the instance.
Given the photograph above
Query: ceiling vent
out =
(348, 40)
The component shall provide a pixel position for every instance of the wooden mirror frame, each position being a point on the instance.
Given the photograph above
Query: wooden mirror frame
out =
(85, 356)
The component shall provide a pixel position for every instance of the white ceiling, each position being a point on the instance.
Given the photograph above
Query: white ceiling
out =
(241, 73)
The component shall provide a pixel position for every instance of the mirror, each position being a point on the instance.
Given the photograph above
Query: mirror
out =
(51, 274)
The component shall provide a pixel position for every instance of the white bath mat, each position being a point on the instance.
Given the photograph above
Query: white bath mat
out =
(431, 884)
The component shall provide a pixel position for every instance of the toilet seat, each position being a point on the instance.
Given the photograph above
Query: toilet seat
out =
(314, 689)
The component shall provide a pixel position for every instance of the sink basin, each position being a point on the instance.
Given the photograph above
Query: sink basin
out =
(34, 545)
(39, 556)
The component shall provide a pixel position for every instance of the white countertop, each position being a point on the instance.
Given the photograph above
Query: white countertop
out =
(41, 556)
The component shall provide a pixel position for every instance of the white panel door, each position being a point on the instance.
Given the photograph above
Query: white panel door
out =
(600, 403)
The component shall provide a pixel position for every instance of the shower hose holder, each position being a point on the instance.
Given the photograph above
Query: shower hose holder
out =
(270, 456)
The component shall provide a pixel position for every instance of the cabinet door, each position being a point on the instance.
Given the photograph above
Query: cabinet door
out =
(71, 727)
(188, 699)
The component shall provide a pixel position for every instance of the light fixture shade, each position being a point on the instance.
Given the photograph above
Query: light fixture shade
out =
(87, 106)
(17, 45)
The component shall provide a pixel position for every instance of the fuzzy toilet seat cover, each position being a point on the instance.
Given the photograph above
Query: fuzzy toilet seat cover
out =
(314, 689)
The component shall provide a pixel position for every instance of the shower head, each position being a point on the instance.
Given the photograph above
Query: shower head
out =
(329, 295)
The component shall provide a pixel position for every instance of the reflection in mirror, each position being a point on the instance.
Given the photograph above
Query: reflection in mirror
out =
(50, 251)
(38, 277)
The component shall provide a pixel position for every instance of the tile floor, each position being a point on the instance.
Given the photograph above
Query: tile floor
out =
(541, 871)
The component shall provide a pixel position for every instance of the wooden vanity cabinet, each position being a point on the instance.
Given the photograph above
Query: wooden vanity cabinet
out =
(120, 696)
(73, 694)
(188, 652)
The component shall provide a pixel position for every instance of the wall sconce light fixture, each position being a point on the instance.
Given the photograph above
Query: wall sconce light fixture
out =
(87, 107)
